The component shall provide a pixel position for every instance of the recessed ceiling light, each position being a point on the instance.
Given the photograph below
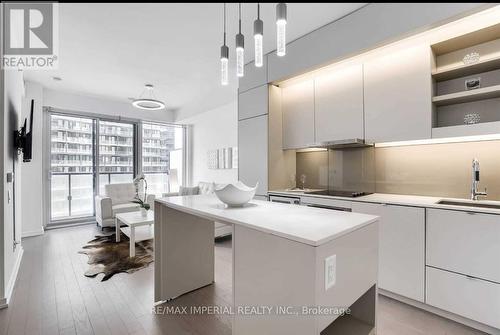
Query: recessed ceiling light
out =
(57, 78)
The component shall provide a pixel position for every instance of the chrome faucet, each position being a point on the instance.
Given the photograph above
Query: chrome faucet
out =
(474, 193)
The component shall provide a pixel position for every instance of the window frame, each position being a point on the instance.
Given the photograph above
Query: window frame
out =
(138, 142)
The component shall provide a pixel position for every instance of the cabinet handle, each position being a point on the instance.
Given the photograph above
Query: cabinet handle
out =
(471, 213)
(470, 277)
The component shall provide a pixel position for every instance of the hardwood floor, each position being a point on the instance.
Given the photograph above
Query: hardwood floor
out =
(52, 296)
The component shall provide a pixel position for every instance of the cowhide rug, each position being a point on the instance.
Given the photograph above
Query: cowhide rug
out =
(110, 257)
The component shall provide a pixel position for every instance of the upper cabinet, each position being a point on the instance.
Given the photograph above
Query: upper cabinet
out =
(339, 105)
(254, 76)
(253, 102)
(298, 115)
(398, 96)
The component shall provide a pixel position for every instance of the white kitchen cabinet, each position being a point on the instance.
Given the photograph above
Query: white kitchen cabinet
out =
(254, 76)
(339, 104)
(298, 115)
(252, 153)
(476, 299)
(253, 102)
(463, 242)
(398, 96)
(401, 248)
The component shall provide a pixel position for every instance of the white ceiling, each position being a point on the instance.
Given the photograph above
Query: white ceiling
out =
(111, 50)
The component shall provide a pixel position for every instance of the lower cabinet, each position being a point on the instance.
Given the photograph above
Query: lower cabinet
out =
(401, 248)
(463, 264)
(464, 242)
(469, 297)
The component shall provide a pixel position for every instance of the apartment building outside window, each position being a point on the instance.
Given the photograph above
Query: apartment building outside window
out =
(86, 153)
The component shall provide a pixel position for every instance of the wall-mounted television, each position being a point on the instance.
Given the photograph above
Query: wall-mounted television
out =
(23, 138)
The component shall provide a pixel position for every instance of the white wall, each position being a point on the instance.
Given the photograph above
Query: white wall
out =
(214, 129)
(32, 172)
(81, 103)
(11, 114)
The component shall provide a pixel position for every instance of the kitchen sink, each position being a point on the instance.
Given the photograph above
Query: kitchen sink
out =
(468, 204)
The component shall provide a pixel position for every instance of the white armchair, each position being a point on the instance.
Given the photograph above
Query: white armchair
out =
(117, 198)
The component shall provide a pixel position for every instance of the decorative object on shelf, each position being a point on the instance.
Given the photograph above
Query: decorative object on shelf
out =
(471, 58)
(240, 47)
(258, 32)
(473, 83)
(225, 158)
(472, 118)
(147, 100)
(235, 195)
(138, 200)
(281, 29)
(224, 56)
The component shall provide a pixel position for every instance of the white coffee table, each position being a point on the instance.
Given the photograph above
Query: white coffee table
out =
(138, 228)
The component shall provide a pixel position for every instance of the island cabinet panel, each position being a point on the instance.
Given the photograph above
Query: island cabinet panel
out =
(252, 153)
(401, 248)
(278, 272)
(298, 115)
(339, 104)
(398, 96)
(463, 242)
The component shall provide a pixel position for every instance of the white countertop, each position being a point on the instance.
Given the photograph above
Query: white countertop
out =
(312, 226)
(404, 200)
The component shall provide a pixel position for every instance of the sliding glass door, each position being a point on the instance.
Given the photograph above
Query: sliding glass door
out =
(85, 155)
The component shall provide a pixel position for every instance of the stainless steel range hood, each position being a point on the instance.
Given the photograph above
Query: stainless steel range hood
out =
(347, 143)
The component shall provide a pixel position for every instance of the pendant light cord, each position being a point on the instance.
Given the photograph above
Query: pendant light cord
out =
(239, 16)
(224, 23)
(258, 10)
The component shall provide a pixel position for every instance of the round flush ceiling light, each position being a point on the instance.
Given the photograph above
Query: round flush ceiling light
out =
(147, 100)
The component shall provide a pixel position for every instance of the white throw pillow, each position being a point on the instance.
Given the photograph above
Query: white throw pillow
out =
(183, 190)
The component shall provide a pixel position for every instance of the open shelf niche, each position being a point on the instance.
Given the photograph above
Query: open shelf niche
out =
(472, 58)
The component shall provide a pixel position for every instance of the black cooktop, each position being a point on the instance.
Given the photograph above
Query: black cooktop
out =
(335, 193)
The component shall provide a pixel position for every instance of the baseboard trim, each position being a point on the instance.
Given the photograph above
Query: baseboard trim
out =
(445, 314)
(13, 277)
(33, 233)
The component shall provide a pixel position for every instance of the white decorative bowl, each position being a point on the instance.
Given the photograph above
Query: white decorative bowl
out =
(235, 195)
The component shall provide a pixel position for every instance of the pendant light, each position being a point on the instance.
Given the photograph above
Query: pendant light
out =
(147, 100)
(224, 56)
(258, 32)
(240, 47)
(281, 31)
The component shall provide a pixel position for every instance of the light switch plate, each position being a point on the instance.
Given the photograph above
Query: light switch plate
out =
(330, 271)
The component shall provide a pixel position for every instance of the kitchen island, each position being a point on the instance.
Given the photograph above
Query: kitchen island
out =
(303, 266)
